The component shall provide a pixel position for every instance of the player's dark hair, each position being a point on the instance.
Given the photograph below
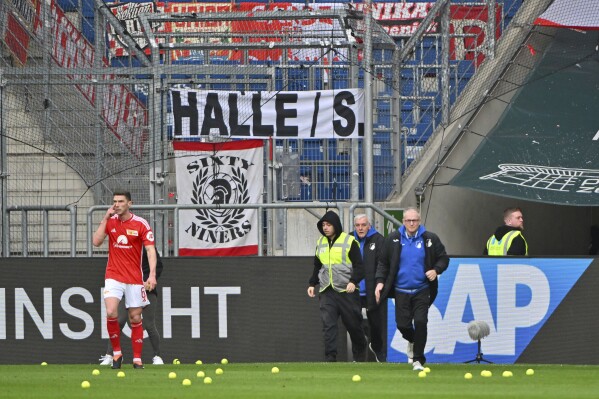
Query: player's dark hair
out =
(126, 193)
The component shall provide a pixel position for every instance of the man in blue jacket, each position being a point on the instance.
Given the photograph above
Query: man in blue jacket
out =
(412, 260)
(371, 246)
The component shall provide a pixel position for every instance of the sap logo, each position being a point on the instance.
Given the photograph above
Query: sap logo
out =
(514, 298)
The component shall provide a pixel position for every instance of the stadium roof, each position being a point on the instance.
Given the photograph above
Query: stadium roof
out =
(545, 147)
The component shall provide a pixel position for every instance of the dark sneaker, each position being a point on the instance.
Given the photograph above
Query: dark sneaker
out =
(117, 362)
(138, 366)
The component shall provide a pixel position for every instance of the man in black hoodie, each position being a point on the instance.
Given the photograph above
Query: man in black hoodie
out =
(508, 239)
(338, 269)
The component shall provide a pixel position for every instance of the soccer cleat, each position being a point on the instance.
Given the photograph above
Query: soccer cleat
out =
(117, 361)
(105, 360)
(137, 365)
(157, 360)
(410, 352)
(417, 366)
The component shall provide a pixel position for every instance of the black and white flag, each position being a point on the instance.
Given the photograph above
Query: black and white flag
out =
(217, 174)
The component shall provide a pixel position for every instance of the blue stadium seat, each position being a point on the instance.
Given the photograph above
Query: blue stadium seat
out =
(88, 9)
(312, 150)
(87, 29)
(68, 5)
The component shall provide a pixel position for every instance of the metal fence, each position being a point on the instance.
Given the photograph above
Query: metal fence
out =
(84, 104)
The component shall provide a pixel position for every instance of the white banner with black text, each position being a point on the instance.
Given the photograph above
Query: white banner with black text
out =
(300, 114)
(219, 174)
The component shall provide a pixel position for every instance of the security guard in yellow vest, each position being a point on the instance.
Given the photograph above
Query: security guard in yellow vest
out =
(338, 269)
(508, 239)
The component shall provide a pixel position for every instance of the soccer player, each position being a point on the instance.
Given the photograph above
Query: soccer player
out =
(149, 314)
(127, 234)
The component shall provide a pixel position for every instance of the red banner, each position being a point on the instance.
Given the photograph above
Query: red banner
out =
(22, 17)
(16, 39)
(122, 111)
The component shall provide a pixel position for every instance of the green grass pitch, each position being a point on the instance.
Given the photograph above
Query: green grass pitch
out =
(300, 380)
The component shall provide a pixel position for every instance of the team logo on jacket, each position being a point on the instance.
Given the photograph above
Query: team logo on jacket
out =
(372, 246)
(220, 181)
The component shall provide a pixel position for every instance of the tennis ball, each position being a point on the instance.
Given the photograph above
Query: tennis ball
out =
(44, 364)
(201, 374)
(207, 380)
(486, 373)
(218, 371)
(468, 376)
(428, 370)
(85, 384)
(172, 375)
(186, 382)
(356, 378)
(507, 373)
(275, 370)
(176, 361)
(96, 372)
(198, 362)
(530, 372)
(224, 361)
(120, 374)
(422, 374)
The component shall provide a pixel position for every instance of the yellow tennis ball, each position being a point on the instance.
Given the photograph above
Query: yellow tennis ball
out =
(176, 361)
(96, 372)
(530, 372)
(172, 375)
(207, 380)
(218, 371)
(507, 373)
(356, 378)
(198, 362)
(274, 370)
(186, 382)
(201, 374)
(224, 361)
(44, 364)
(468, 376)
(427, 370)
(422, 374)
(85, 384)
(120, 374)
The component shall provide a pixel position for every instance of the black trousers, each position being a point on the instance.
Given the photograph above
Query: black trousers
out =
(411, 316)
(334, 304)
(376, 329)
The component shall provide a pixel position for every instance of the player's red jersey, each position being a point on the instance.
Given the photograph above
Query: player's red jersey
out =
(126, 240)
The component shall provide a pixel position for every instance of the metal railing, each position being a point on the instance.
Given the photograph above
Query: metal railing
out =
(45, 210)
(340, 206)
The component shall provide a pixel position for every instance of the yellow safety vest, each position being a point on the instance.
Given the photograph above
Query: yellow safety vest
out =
(500, 247)
(336, 267)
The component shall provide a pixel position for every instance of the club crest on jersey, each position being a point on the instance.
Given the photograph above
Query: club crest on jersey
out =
(220, 180)
(132, 233)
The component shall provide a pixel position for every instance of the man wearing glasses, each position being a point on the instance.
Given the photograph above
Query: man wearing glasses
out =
(412, 260)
